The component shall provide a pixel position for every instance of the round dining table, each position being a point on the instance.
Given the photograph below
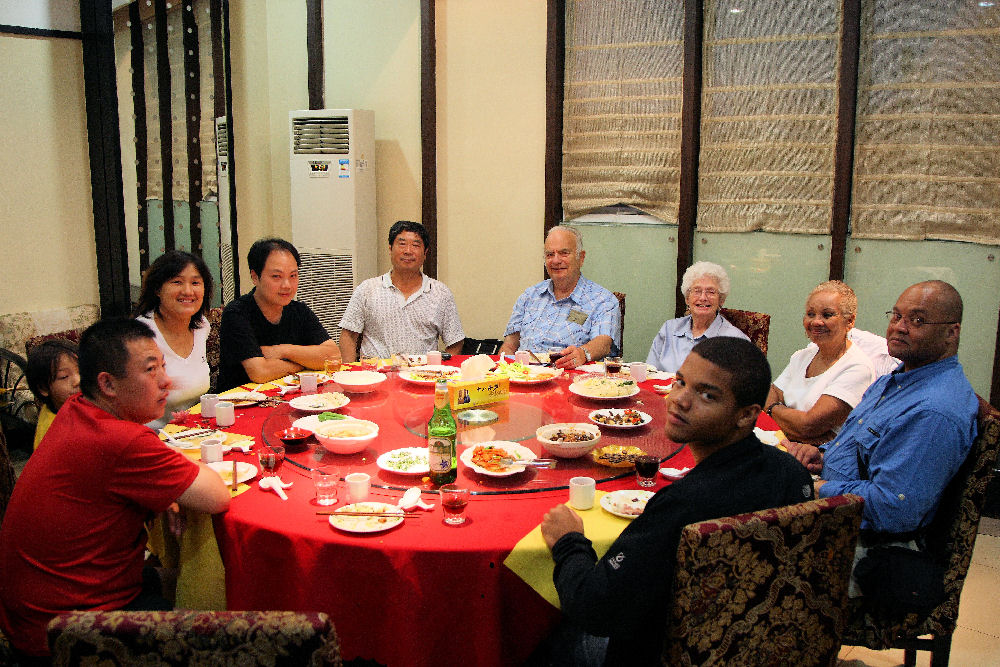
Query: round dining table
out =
(422, 592)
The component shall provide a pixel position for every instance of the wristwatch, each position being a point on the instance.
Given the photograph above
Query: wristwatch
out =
(586, 353)
(772, 406)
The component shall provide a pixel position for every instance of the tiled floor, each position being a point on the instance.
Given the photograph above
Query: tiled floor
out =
(977, 640)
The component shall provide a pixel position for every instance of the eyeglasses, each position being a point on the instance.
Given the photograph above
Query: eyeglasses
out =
(915, 322)
(708, 291)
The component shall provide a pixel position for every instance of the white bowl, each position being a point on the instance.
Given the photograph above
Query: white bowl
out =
(358, 382)
(347, 436)
(568, 450)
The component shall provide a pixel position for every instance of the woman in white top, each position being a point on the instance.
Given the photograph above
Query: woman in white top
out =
(173, 304)
(821, 385)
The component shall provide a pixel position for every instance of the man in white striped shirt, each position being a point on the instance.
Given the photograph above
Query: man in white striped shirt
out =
(402, 311)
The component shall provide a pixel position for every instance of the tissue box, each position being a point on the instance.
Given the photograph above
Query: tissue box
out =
(464, 394)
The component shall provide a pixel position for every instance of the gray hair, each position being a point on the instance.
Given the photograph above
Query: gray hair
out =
(705, 270)
(576, 234)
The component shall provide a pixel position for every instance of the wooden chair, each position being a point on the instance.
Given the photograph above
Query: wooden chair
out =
(18, 411)
(764, 588)
(756, 326)
(7, 479)
(193, 637)
(621, 327)
(951, 537)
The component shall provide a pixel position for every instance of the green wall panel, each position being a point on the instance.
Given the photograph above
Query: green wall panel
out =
(639, 260)
(880, 270)
(774, 273)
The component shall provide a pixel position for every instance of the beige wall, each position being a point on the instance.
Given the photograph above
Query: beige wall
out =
(491, 155)
(491, 129)
(46, 215)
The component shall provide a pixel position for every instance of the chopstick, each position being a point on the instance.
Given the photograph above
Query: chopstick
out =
(335, 513)
(194, 433)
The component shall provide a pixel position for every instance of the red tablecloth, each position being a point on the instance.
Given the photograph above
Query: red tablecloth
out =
(422, 593)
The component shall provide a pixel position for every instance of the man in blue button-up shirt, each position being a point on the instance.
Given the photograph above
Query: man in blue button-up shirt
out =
(567, 311)
(913, 428)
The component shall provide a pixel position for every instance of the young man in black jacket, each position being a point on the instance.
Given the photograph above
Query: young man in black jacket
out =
(717, 395)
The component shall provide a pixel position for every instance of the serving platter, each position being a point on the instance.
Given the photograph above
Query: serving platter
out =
(319, 402)
(515, 451)
(592, 387)
(405, 461)
(621, 414)
(428, 375)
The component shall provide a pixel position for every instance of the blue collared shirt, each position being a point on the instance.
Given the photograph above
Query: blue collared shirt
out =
(543, 321)
(674, 341)
(914, 429)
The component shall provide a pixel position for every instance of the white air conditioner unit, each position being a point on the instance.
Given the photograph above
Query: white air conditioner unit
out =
(332, 169)
(225, 228)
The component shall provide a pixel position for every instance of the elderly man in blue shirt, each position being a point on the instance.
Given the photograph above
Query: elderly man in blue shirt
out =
(567, 310)
(913, 428)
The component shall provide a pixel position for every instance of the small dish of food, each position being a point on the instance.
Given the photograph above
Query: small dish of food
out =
(293, 436)
(568, 441)
(620, 418)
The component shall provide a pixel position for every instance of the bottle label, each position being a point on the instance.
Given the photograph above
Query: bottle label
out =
(439, 454)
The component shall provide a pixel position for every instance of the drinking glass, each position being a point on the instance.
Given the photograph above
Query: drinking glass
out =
(331, 366)
(270, 457)
(646, 467)
(612, 365)
(326, 479)
(453, 501)
(369, 363)
(555, 353)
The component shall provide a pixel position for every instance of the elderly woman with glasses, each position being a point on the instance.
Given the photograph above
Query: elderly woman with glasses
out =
(823, 382)
(705, 286)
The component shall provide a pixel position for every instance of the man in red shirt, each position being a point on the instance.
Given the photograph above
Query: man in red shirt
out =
(73, 536)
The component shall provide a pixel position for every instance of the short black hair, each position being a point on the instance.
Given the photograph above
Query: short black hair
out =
(409, 226)
(104, 349)
(262, 249)
(167, 266)
(43, 360)
(744, 361)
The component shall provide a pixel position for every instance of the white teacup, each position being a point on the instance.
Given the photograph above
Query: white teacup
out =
(211, 450)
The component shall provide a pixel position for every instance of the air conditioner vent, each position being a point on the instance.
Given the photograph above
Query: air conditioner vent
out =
(326, 283)
(222, 139)
(329, 135)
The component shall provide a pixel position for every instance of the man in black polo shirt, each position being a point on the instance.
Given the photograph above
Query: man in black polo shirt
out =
(716, 397)
(266, 334)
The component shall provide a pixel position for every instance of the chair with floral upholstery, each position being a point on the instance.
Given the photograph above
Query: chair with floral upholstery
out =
(193, 637)
(756, 326)
(212, 350)
(764, 588)
(951, 538)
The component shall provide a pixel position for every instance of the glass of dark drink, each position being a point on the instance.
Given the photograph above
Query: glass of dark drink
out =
(646, 467)
(555, 353)
(453, 500)
(270, 458)
(612, 365)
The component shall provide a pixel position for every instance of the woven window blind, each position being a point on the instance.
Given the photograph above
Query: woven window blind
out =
(622, 106)
(928, 127)
(769, 115)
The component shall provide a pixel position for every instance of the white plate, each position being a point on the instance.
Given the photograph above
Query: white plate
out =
(767, 437)
(618, 411)
(242, 399)
(408, 374)
(674, 473)
(532, 375)
(515, 450)
(326, 402)
(366, 524)
(384, 461)
(312, 422)
(580, 389)
(613, 502)
(244, 471)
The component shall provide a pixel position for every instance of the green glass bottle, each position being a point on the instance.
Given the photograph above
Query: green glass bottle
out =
(441, 436)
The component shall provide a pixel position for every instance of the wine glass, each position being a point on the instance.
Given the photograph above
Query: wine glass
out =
(270, 457)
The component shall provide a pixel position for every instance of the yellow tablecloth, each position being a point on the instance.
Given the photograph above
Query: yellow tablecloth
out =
(532, 561)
